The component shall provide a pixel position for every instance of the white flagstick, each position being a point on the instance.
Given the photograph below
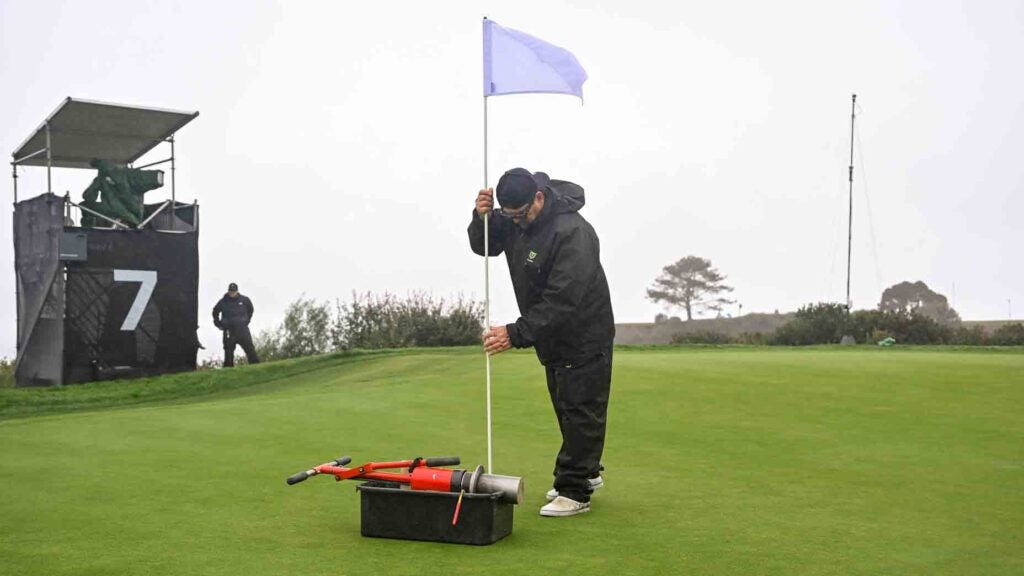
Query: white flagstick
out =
(487, 294)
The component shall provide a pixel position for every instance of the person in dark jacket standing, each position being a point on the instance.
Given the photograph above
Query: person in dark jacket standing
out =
(553, 256)
(232, 315)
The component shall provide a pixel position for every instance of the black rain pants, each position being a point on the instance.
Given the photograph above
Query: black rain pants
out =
(579, 394)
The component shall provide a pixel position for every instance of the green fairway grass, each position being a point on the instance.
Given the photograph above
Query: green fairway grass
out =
(727, 461)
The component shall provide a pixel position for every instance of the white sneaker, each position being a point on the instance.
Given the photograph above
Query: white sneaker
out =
(595, 483)
(562, 506)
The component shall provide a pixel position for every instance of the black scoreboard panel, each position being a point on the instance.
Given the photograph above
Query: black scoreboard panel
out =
(131, 305)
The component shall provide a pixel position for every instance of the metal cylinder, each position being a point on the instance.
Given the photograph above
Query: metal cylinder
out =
(509, 487)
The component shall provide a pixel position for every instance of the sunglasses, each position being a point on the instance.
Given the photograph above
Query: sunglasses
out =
(514, 214)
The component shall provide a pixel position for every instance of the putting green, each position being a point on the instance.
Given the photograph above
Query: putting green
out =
(719, 461)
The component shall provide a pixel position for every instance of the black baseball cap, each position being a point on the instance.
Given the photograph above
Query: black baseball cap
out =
(518, 186)
(232, 287)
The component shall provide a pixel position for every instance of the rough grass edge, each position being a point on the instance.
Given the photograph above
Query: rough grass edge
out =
(16, 403)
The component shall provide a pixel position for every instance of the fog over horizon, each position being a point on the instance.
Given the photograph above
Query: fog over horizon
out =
(339, 147)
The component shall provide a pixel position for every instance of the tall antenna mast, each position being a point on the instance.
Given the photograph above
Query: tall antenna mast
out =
(849, 236)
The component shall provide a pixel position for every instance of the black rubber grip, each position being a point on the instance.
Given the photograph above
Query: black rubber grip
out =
(296, 478)
(443, 461)
(341, 461)
(456, 483)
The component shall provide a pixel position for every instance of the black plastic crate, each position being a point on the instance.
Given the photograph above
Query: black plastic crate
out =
(390, 512)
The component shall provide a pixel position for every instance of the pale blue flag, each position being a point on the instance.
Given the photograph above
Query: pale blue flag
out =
(517, 63)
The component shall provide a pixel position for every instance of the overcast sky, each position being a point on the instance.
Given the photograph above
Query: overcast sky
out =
(339, 146)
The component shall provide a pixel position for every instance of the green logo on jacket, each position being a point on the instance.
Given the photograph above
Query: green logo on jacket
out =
(531, 256)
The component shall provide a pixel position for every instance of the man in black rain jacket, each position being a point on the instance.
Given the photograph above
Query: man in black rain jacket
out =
(553, 256)
(232, 315)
